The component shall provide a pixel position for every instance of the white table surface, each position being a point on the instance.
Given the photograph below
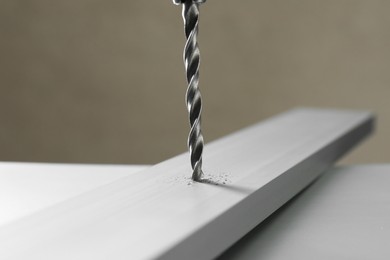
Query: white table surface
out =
(343, 215)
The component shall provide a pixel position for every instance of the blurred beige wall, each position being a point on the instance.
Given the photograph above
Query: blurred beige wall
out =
(103, 81)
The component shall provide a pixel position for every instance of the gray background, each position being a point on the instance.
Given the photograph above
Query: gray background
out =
(103, 81)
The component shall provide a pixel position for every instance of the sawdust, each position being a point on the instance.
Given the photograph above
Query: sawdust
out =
(214, 179)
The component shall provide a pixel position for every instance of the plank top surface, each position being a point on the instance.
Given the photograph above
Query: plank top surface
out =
(343, 215)
(26, 188)
(148, 214)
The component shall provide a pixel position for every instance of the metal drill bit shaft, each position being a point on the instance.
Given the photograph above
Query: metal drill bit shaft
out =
(191, 58)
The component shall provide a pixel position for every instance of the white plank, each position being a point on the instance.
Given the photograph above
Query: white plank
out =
(160, 213)
(26, 188)
(344, 215)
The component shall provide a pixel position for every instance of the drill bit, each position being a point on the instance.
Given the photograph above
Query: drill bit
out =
(191, 58)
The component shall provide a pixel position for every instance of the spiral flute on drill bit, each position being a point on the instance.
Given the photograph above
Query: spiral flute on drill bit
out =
(193, 96)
